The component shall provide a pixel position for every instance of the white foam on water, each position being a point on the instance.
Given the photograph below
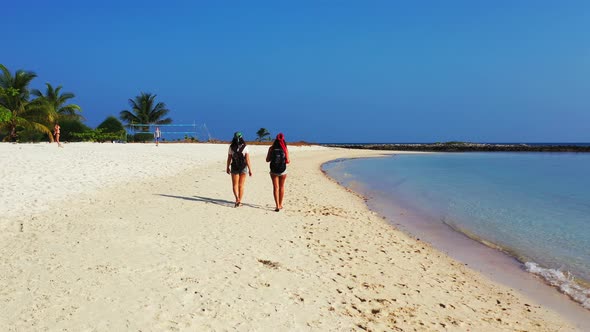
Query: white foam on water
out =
(563, 281)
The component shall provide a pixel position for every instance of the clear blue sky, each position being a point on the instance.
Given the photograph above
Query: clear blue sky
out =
(320, 71)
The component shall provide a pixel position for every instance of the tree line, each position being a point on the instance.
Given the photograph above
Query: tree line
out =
(28, 115)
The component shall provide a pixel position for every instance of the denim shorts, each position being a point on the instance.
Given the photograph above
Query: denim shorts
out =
(279, 174)
(244, 171)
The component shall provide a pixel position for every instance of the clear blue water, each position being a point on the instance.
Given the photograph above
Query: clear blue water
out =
(535, 206)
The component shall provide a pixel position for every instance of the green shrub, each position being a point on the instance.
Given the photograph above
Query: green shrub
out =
(143, 137)
(102, 136)
(73, 130)
(111, 125)
(88, 136)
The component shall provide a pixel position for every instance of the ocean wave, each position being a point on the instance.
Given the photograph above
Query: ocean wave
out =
(563, 281)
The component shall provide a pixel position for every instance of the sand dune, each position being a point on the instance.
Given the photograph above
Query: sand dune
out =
(134, 237)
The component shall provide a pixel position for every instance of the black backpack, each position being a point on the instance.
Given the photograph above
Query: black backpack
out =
(278, 161)
(238, 160)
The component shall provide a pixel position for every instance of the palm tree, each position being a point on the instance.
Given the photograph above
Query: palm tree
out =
(262, 133)
(18, 111)
(144, 110)
(57, 103)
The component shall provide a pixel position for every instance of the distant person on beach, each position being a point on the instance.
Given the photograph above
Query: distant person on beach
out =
(56, 133)
(278, 156)
(157, 135)
(238, 157)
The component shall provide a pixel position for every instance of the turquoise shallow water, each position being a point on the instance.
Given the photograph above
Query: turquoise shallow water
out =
(535, 206)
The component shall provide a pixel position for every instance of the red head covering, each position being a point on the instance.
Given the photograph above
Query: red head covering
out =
(281, 140)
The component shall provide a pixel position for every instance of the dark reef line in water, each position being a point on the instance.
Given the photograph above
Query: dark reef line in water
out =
(466, 147)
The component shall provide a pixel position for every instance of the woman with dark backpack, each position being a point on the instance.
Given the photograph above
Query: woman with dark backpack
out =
(238, 158)
(278, 156)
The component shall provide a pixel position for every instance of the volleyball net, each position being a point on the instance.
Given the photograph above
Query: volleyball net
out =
(174, 132)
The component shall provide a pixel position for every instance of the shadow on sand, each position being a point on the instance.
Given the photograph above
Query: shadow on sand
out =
(222, 202)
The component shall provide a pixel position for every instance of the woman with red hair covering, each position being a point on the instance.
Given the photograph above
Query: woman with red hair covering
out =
(278, 156)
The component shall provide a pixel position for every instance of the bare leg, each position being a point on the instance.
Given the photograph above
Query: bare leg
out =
(282, 180)
(275, 190)
(235, 181)
(241, 187)
(57, 140)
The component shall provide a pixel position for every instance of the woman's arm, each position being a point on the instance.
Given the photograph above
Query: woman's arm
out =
(228, 163)
(268, 154)
(288, 159)
(248, 164)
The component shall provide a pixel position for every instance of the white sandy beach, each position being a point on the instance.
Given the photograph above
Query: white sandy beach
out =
(121, 237)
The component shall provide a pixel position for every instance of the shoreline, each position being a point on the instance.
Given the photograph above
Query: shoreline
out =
(528, 265)
(474, 252)
(169, 251)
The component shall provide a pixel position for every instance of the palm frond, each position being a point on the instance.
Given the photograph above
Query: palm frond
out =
(36, 93)
(55, 91)
(164, 121)
(145, 110)
(65, 96)
(35, 126)
(70, 109)
(6, 78)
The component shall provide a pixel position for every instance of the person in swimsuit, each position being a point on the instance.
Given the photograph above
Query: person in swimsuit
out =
(56, 133)
(278, 156)
(238, 172)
